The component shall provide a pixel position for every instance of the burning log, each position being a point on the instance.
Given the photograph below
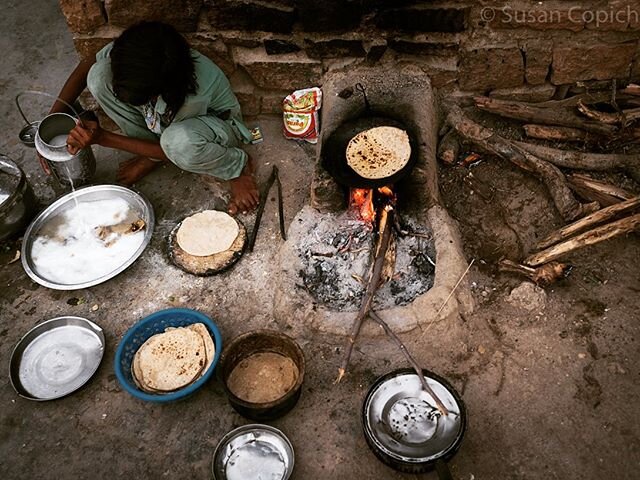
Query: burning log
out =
(584, 160)
(596, 191)
(597, 235)
(386, 225)
(585, 223)
(563, 134)
(556, 183)
(375, 317)
(542, 276)
(546, 115)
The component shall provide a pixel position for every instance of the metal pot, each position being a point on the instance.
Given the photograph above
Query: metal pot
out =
(403, 427)
(18, 204)
(69, 170)
(259, 341)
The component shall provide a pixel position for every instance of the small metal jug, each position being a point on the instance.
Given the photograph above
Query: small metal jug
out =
(69, 170)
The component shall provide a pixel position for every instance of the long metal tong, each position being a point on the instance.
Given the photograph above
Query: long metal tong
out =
(274, 177)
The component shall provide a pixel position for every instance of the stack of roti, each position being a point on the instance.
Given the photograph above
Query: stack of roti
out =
(379, 152)
(169, 361)
(207, 233)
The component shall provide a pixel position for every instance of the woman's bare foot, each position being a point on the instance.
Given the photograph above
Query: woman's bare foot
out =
(132, 170)
(244, 190)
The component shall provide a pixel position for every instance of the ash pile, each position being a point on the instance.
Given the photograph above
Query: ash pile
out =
(336, 256)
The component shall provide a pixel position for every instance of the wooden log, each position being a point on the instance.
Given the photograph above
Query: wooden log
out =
(585, 160)
(448, 148)
(632, 89)
(624, 117)
(564, 134)
(563, 198)
(592, 237)
(596, 191)
(589, 221)
(532, 113)
(598, 116)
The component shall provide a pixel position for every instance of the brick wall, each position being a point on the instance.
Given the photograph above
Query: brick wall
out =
(515, 49)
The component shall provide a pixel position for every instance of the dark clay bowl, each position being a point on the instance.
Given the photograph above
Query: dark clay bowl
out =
(261, 341)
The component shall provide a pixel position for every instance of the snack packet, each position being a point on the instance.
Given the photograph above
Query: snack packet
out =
(300, 114)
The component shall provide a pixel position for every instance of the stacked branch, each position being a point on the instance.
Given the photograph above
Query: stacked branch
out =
(582, 118)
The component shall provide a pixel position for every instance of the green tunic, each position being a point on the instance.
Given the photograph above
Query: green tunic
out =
(196, 140)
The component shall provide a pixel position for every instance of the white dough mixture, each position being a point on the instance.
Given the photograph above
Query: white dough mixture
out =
(68, 250)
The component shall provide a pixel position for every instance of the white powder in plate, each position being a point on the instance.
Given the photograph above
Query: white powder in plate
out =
(67, 250)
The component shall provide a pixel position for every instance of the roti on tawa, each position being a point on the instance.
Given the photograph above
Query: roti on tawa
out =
(379, 152)
(170, 360)
(207, 233)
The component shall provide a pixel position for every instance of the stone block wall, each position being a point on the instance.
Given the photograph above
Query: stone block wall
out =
(511, 49)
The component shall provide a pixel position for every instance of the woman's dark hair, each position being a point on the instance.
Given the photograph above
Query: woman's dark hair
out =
(150, 59)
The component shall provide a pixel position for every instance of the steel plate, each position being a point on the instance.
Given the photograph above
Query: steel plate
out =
(401, 419)
(93, 193)
(253, 452)
(56, 358)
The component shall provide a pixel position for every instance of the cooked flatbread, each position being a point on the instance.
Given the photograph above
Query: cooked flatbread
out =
(207, 233)
(209, 346)
(170, 360)
(379, 152)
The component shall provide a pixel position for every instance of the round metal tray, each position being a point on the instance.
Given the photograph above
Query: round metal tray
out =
(403, 426)
(56, 358)
(252, 452)
(94, 193)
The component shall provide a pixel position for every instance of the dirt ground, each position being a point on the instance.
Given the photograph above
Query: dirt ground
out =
(550, 380)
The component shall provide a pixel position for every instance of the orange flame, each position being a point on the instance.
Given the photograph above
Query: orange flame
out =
(362, 201)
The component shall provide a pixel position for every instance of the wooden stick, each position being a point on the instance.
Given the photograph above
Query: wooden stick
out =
(589, 221)
(597, 235)
(565, 134)
(530, 112)
(596, 191)
(283, 232)
(263, 201)
(448, 148)
(542, 276)
(372, 287)
(375, 317)
(584, 160)
(551, 176)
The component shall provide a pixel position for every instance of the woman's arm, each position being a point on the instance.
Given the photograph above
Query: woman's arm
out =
(74, 86)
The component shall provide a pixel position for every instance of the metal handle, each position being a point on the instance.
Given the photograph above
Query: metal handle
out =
(38, 92)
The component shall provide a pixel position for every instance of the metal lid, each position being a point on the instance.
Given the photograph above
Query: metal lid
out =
(253, 452)
(402, 421)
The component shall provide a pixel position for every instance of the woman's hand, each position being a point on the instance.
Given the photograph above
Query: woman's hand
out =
(83, 135)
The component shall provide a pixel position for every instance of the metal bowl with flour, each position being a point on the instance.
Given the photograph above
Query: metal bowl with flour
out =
(60, 271)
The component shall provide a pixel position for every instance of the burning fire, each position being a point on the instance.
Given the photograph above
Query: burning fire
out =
(362, 201)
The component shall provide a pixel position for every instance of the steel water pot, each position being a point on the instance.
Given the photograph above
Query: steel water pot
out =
(18, 204)
(51, 143)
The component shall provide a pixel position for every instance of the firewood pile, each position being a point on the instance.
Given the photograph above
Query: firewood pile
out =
(595, 211)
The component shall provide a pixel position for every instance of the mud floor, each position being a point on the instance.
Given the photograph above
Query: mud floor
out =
(550, 379)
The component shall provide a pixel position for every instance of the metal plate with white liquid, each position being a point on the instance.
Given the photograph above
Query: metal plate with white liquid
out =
(253, 452)
(138, 205)
(56, 358)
